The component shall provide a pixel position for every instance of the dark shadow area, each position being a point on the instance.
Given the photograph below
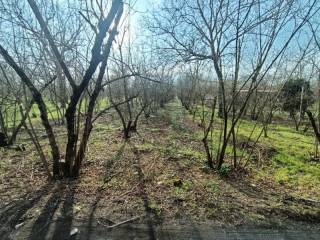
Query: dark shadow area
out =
(42, 224)
(14, 212)
(90, 225)
(187, 231)
(110, 164)
(239, 183)
(289, 208)
(45, 226)
(64, 222)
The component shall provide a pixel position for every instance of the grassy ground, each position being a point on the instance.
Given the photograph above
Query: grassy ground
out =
(53, 112)
(292, 165)
(161, 173)
(285, 156)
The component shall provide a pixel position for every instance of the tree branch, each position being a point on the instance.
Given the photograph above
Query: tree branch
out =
(53, 46)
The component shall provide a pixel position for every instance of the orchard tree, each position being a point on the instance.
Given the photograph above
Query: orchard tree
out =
(296, 97)
(92, 27)
(243, 40)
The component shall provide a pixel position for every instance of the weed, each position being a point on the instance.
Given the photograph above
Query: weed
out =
(155, 209)
(224, 170)
(213, 187)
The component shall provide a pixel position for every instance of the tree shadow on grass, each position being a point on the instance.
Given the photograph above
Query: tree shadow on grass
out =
(152, 217)
(110, 174)
(144, 194)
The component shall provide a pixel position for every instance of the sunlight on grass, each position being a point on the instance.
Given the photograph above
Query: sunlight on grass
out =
(291, 164)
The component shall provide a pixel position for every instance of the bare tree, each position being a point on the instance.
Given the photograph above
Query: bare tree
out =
(230, 34)
(104, 27)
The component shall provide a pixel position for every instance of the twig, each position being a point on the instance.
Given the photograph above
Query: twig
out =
(124, 222)
(127, 192)
(112, 106)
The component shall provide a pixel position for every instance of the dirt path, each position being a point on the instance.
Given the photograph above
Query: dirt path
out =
(195, 232)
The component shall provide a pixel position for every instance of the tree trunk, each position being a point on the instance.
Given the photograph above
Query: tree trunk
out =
(206, 134)
(72, 136)
(220, 102)
(314, 125)
(222, 154)
(208, 153)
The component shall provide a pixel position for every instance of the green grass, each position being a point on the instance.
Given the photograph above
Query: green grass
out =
(53, 114)
(294, 149)
(290, 165)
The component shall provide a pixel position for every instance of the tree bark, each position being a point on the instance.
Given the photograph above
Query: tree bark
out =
(314, 125)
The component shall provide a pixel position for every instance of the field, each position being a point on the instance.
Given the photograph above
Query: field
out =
(160, 175)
